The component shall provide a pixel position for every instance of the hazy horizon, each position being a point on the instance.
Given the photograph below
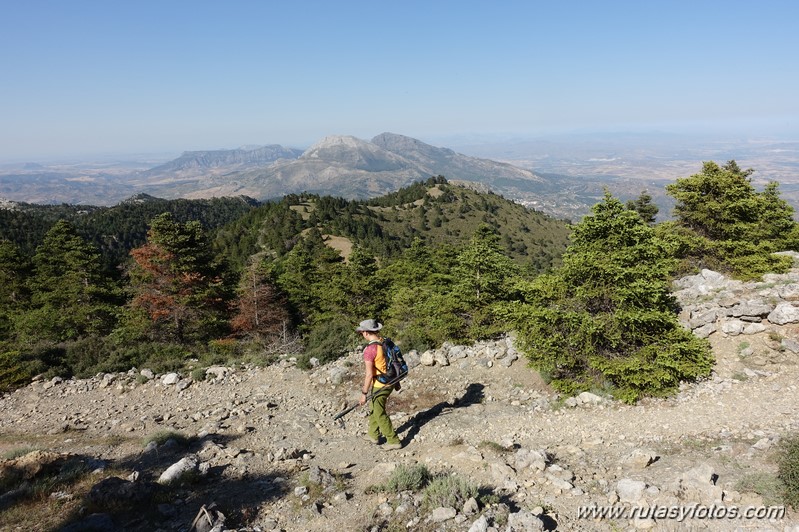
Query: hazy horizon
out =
(121, 78)
(664, 139)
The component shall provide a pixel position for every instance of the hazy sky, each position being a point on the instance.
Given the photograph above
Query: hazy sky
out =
(89, 77)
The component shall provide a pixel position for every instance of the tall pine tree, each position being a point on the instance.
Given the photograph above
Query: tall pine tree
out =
(71, 297)
(606, 319)
(179, 291)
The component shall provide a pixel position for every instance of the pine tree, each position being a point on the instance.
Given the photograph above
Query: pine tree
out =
(14, 296)
(307, 275)
(483, 269)
(722, 223)
(70, 295)
(606, 319)
(179, 291)
(643, 205)
(261, 309)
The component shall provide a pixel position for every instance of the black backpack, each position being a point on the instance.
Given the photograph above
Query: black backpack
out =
(396, 367)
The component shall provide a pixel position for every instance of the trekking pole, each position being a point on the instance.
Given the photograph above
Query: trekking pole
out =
(368, 397)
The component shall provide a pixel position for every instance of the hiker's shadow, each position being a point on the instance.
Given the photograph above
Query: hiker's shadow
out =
(472, 395)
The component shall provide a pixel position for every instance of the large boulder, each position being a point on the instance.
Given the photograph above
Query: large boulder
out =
(784, 313)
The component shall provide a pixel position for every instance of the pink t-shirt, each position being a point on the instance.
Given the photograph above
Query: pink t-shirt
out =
(371, 353)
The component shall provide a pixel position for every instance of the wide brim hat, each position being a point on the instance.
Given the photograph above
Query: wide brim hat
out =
(369, 326)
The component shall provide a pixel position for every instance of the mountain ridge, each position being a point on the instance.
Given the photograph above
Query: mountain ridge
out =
(353, 168)
(336, 165)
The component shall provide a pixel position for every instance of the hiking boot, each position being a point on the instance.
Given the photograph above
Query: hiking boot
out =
(392, 446)
(368, 438)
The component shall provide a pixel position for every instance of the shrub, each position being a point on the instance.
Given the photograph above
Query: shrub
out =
(788, 465)
(327, 341)
(163, 436)
(407, 478)
(89, 356)
(449, 491)
(161, 358)
(17, 452)
(493, 447)
(223, 351)
(16, 370)
(766, 485)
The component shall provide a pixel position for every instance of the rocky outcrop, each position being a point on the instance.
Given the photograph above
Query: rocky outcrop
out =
(711, 302)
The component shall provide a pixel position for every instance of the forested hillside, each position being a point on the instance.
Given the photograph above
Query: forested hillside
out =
(434, 212)
(225, 281)
(114, 230)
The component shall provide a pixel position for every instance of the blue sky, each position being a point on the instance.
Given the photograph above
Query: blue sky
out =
(90, 77)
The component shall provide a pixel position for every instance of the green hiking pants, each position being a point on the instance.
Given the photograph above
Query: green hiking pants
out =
(379, 422)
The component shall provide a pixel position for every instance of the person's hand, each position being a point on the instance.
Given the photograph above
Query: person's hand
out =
(362, 400)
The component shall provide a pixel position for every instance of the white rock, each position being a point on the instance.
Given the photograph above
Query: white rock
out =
(639, 458)
(440, 358)
(784, 313)
(480, 525)
(427, 358)
(762, 444)
(177, 470)
(630, 490)
(589, 398)
(524, 521)
(218, 372)
(470, 507)
(732, 327)
(170, 378)
(442, 514)
(754, 328)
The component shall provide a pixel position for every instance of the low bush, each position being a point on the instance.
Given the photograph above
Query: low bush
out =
(407, 478)
(16, 369)
(164, 436)
(327, 341)
(767, 485)
(448, 491)
(788, 464)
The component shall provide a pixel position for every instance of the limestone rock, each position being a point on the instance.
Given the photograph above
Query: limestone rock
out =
(427, 358)
(108, 492)
(441, 514)
(524, 521)
(784, 313)
(176, 471)
(218, 372)
(588, 398)
(698, 485)
(479, 525)
(639, 459)
(470, 507)
(170, 378)
(440, 358)
(630, 490)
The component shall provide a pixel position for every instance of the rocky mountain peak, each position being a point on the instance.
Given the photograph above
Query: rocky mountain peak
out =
(355, 153)
(400, 143)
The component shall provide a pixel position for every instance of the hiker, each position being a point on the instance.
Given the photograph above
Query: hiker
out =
(374, 363)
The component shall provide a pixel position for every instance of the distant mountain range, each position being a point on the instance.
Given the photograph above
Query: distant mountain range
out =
(342, 166)
(238, 158)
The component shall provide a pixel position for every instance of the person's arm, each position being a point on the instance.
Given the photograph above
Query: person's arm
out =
(368, 378)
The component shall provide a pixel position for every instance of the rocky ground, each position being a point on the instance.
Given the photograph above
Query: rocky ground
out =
(262, 447)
